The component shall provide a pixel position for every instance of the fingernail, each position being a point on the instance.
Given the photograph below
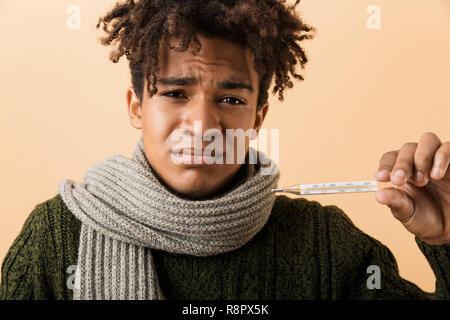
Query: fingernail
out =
(400, 173)
(381, 174)
(437, 171)
(419, 176)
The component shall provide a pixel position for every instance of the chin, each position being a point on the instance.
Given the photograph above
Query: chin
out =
(199, 193)
(194, 183)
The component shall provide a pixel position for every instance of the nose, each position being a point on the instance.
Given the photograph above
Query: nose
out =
(201, 111)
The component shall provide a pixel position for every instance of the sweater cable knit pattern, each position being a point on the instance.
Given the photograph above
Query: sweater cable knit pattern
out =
(305, 251)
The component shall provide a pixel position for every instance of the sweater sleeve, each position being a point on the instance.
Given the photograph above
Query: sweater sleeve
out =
(373, 272)
(21, 279)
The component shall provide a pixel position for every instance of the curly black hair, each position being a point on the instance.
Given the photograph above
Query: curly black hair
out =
(269, 28)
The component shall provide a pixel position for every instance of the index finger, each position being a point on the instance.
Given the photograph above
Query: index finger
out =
(386, 165)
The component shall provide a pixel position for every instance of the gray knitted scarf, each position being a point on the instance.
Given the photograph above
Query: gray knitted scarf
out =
(125, 212)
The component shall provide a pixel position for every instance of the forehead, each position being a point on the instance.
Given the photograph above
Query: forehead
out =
(219, 56)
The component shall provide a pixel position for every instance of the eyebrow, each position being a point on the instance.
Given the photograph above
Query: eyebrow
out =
(186, 81)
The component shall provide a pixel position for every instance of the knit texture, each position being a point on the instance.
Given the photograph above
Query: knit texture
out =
(126, 213)
(304, 251)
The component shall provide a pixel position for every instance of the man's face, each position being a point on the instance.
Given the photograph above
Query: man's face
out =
(207, 99)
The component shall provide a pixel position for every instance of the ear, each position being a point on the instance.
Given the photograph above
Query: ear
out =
(134, 108)
(260, 116)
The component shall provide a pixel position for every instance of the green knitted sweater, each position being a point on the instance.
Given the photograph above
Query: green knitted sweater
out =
(305, 251)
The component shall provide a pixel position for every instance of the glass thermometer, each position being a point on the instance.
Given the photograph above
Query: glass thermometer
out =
(331, 187)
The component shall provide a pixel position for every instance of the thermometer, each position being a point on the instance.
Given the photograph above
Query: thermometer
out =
(331, 187)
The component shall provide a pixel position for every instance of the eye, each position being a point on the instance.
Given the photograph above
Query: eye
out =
(234, 100)
(180, 94)
(172, 94)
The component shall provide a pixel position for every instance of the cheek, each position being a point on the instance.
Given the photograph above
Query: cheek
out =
(157, 126)
(238, 120)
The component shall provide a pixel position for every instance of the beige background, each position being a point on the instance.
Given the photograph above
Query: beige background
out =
(366, 92)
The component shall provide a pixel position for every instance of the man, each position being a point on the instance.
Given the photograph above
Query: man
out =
(151, 227)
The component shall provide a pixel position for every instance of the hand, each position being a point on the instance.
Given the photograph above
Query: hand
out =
(421, 205)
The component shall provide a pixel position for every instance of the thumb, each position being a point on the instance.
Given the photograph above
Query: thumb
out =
(400, 203)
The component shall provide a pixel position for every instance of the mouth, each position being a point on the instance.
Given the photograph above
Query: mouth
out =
(196, 157)
(193, 151)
